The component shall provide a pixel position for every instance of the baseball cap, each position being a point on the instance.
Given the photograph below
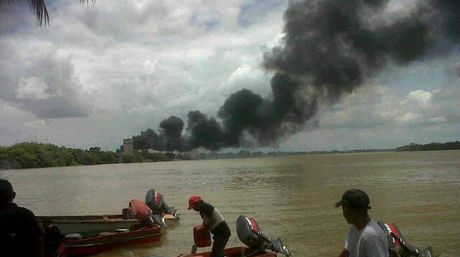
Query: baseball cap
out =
(355, 199)
(193, 200)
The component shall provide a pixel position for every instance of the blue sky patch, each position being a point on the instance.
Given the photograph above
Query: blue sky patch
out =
(256, 10)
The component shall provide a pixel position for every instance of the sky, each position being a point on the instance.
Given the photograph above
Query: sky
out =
(105, 71)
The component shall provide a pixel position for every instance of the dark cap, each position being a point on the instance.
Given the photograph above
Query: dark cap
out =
(5, 186)
(355, 199)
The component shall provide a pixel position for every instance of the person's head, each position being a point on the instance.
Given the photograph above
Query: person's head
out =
(194, 202)
(355, 204)
(6, 193)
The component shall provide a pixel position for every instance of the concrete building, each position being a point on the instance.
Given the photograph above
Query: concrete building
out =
(128, 146)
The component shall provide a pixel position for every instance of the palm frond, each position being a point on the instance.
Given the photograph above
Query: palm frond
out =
(87, 1)
(40, 11)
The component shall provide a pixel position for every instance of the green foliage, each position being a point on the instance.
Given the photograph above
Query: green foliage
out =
(130, 158)
(36, 155)
(430, 147)
(3, 158)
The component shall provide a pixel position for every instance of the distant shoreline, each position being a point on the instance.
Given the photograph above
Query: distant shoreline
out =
(38, 155)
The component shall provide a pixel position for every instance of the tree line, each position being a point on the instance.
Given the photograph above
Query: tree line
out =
(430, 146)
(38, 155)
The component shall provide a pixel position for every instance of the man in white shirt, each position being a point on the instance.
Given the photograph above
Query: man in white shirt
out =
(365, 238)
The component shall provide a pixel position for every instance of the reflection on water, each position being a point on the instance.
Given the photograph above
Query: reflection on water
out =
(290, 197)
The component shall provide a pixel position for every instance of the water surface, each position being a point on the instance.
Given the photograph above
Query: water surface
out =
(290, 197)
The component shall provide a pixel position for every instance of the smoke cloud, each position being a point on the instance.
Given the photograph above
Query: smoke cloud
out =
(171, 129)
(330, 48)
(204, 132)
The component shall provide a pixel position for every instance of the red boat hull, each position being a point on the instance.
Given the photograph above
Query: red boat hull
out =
(93, 245)
(231, 252)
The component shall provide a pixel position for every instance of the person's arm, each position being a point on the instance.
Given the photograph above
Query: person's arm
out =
(165, 207)
(207, 221)
(33, 232)
(207, 213)
(344, 253)
(39, 247)
(206, 224)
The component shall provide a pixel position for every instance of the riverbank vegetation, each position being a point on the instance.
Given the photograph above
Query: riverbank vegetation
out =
(38, 155)
(430, 147)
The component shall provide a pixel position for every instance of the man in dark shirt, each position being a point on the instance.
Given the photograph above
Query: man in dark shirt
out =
(20, 234)
(213, 221)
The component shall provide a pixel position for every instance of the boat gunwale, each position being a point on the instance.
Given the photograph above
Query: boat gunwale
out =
(76, 243)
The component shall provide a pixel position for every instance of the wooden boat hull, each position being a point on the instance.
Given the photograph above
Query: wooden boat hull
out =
(86, 224)
(90, 224)
(93, 245)
(232, 252)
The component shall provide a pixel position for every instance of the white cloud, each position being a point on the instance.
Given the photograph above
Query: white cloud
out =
(32, 88)
(375, 106)
(246, 76)
(376, 117)
(143, 60)
(42, 82)
(398, 7)
(420, 98)
(107, 70)
(439, 119)
(411, 118)
(35, 124)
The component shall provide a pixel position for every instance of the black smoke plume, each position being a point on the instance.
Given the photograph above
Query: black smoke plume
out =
(146, 140)
(171, 134)
(329, 49)
(447, 15)
(204, 132)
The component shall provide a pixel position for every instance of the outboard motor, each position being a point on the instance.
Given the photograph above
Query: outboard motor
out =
(250, 234)
(398, 246)
(155, 201)
(159, 220)
(53, 242)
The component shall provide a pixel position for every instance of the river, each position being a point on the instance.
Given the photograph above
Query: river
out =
(290, 197)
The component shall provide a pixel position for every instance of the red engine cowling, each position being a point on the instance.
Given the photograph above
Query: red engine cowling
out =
(139, 210)
(398, 246)
(394, 236)
(249, 232)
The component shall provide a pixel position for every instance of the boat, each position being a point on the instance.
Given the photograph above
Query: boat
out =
(87, 224)
(92, 224)
(109, 240)
(256, 243)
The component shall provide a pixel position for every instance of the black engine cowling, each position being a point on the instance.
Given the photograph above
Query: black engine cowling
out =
(250, 234)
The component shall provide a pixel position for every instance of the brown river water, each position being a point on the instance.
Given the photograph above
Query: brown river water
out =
(290, 197)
